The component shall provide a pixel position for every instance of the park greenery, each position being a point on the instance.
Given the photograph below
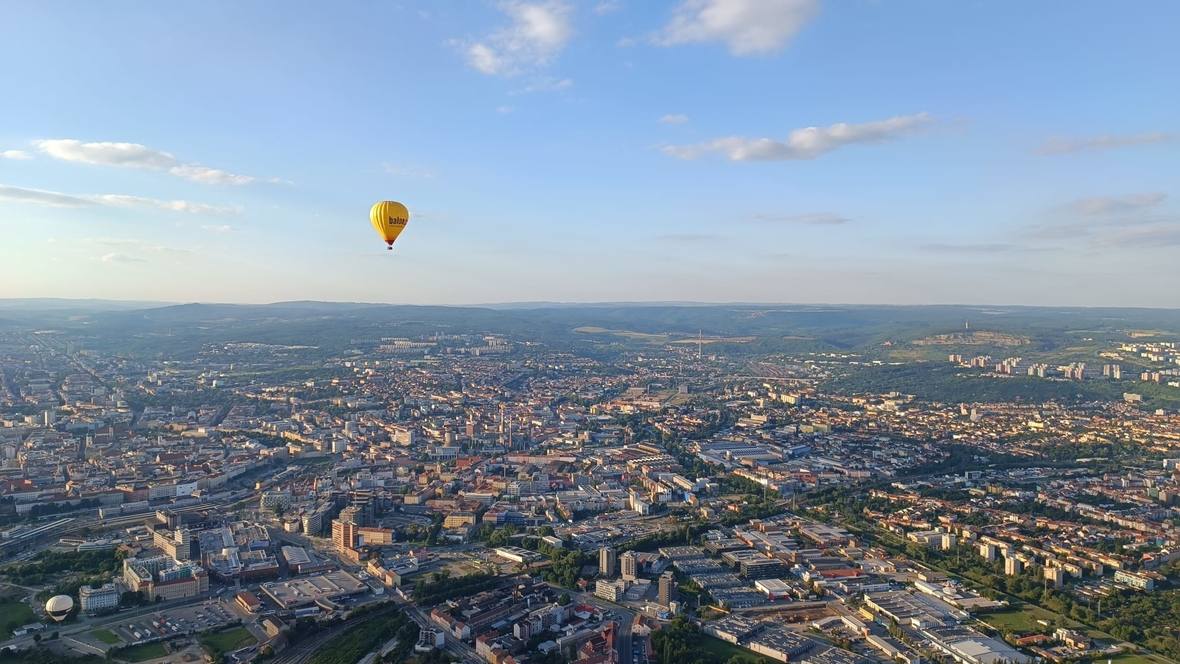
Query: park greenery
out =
(683, 642)
(564, 564)
(50, 565)
(368, 635)
(439, 586)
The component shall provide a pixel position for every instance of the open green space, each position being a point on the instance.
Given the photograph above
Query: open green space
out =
(681, 642)
(14, 614)
(228, 640)
(941, 381)
(143, 653)
(368, 633)
(1133, 658)
(1024, 619)
(720, 651)
(106, 636)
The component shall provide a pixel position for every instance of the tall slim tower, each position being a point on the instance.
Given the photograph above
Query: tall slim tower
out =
(607, 562)
(630, 566)
(667, 589)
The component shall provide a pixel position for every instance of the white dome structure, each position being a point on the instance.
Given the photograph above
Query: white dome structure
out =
(59, 606)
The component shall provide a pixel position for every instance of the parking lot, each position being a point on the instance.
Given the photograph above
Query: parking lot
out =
(175, 622)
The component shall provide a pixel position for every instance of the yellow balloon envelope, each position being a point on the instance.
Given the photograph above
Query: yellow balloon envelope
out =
(390, 219)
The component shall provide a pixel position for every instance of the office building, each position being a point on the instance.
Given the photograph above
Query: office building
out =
(630, 566)
(607, 562)
(667, 589)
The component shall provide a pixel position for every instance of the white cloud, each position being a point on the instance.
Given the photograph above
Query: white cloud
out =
(747, 27)
(15, 154)
(58, 199)
(806, 143)
(115, 257)
(537, 33)
(221, 229)
(135, 155)
(1058, 146)
(209, 175)
(674, 119)
(504, 110)
(106, 153)
(123, 200)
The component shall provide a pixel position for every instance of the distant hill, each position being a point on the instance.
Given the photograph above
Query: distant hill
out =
(336, 326)
(65, 304)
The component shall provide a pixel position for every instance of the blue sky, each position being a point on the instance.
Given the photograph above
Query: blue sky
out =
(716, 150)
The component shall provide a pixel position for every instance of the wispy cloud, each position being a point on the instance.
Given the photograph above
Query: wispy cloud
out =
(122, 200)
(810, 219)
(537, 32)
(747, 27)
(805, 143)
(1108, 205)
(406, 170)
(604, 7)
(1061, 145)
(545, 84)
(220, 229)
(1152, 236)
(41, 197)
(15, 154)
(136, 250)
(116, 257)
(135, 155)
(59, 199)
(1112, 222)
(688, 238)
(674, 119)
(973, 247)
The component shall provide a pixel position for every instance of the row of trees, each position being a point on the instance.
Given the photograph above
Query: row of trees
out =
(368, 635)
(564, 564)
(680, 642)
(437, 587)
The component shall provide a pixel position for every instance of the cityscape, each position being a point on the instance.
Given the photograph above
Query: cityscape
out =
(373, 483)
(589, 332)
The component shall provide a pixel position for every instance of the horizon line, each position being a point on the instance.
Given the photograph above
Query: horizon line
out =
(542, 304)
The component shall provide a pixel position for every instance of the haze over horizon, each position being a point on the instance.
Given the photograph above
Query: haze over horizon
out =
(755, 151)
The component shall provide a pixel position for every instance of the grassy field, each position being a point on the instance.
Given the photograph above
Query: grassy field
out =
(720, 651)
(106, 636)
(228, 640)
(626, 334)
(144, 652)
(1128, 658)
(1021, 620)
(14, 614)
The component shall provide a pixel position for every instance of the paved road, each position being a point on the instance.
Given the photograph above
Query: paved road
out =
(453, 646)
(625, 620)
(86, 625)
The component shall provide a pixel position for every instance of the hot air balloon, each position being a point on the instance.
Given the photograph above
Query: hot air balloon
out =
(390, 219)
(59, 606)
